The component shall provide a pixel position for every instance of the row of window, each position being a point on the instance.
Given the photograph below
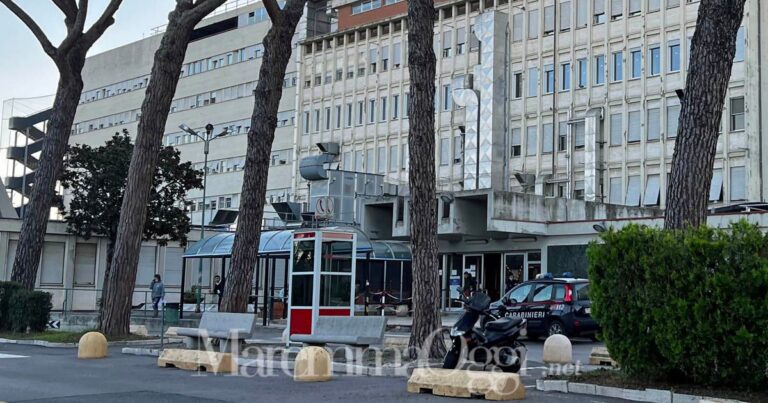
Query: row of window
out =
(581, 19)
(225, 59)
(378, 62)
(349, 38)
(617, 132)
(181, 104)
(213, 203)
(633, 194)
(377, 161)
(368, 5)
(382, 109)
(577, 74)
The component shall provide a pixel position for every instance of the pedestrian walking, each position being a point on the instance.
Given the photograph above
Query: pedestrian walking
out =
(158, 293)
(470, 284)
(218, 289)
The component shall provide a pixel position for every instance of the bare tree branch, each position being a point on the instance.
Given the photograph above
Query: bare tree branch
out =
(275, 14)
(200, 9)
(49, 49)
(75, 28)
(101, 25)
(68, 7)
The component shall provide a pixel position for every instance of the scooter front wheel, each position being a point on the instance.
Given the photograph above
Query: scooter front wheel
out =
(451, 360)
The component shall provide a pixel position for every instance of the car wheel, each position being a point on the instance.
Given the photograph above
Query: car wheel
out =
(555, 327)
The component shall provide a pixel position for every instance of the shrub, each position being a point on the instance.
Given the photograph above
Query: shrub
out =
(29, 309)
(7, 289)
(684, 305)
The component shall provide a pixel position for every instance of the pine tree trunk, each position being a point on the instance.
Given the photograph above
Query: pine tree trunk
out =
(107, 271)
(118, 291)
(421, 174)
(245, 253)
(49, 170)
(712, 52)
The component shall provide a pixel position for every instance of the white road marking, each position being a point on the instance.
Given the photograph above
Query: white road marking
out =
(12, 356)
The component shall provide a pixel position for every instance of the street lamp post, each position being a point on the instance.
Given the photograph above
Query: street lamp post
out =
(206, 142)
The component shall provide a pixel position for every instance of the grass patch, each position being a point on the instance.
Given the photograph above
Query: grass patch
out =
(618, 379)
(62, 337)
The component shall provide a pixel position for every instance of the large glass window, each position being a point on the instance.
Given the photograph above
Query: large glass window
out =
(530, 141)
(583, 73)
(673, 56)
(737, 114)
(520, 293)
(565, 76)
(654, 61)
(653, 126)
(740, 45)
(549, 78)
(617, 129)
(738, 183)
(637, 63)
(599, 69)
(533, 82)
(617, 70)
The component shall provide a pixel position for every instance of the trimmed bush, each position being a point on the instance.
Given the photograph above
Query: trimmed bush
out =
(687, 306)
(7, 289)
(29, 309)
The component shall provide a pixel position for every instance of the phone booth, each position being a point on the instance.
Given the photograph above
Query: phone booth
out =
(322, 277)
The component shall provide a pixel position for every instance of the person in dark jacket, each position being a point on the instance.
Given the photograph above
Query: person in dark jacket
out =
(470, 284)
(218, 288)
(158, 293)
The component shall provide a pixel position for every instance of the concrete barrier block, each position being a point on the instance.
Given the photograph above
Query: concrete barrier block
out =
(197, 360)
(558, 350)
(583, 388)
(313, 364)
(141, 330)
(460, 383)
(684, 398)
(600, 356)
(92, 345)
(658, 396)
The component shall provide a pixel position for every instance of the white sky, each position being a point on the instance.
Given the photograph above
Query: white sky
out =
(26, 71)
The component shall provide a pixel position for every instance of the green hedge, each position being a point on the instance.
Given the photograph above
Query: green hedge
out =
(689, 306)
(7, 289)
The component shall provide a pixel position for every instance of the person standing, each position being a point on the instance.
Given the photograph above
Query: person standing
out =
(218, 288)
(158, 293)
(470, 284)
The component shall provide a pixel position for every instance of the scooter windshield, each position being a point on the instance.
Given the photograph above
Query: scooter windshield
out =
(479, 302)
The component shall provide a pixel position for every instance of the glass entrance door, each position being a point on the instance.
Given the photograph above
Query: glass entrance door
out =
(514, 270)
(473, 272)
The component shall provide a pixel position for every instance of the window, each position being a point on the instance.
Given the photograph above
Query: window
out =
(716, 186)
(578, 134)
(562, 136)
(615, 196)
(598, 12)
(461, 41)
(549, 20)
(582, 9)
(633, 132)
(516, 143)
(371, 110)
(533, 81)
(85, 264)
(634, 7)
(383, 109)
(673, 118)
(447, 43)
(447, 100)
(445, 151)
(328, 118)
(395, 106)
(349, 115)
(578, 190)
(633, 191)
(617, 129)
(673, 56)
(582, 73)
(654, 5)
(317, 120)
(673, 3)
(381, 162)
(565, 16)
(404, 157)
(146, 266)
(520, 293)
(517, 27)
(617, 70)
(531, 146)
(533, 24)
(373, 52)
(549, 78)
(740, 43)
(652, 186)
(338, 116)
(654, 61)
(599, 69)
(306, 122)
(653, 125)
(406, 106)
(565, 76)
(458, 148)
(542, 293)
(396, 55)
(360, 161)
(518, 85)
(360, 112)
(637, 63)
(547, 138)
(617, 9)
(738, 183)
(737, 114)
(393, 159)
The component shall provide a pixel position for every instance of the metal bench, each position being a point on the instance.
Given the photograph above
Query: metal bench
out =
(221, 326)
(351, 330)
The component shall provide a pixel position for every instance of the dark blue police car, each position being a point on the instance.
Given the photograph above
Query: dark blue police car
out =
(552, 306)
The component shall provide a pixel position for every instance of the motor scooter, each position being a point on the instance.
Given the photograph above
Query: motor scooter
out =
(495, 342)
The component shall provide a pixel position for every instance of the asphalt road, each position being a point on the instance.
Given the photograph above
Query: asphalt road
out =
(29, 373)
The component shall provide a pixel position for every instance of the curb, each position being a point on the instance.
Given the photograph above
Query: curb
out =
(647, 395)
(48, 344)
(150, 352)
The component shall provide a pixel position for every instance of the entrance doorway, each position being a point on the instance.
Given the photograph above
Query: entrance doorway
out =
(473, 264)
(492, 275)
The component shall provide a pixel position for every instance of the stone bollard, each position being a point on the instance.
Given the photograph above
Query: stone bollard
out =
(313, 364)
(558, 350)
(92, 345)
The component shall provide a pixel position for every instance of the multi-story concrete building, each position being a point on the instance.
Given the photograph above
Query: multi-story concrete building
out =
(549, 114)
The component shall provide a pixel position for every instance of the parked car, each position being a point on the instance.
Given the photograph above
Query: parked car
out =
(552, 306)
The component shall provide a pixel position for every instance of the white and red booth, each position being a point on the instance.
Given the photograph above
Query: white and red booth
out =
(322, 277)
